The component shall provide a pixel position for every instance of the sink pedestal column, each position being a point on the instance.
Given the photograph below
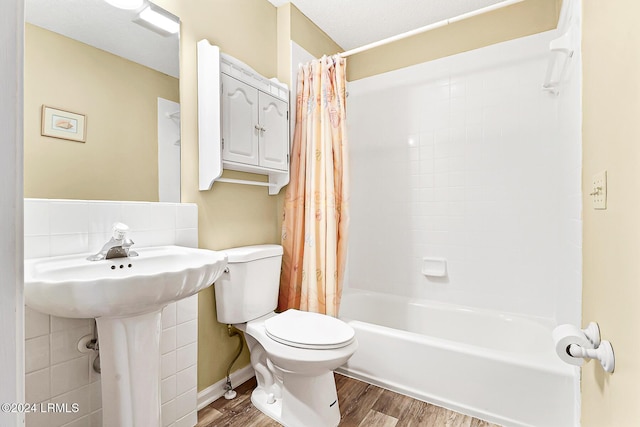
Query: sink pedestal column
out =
(130, 363)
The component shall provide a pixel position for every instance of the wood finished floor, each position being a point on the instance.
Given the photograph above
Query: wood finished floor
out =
(361, 405)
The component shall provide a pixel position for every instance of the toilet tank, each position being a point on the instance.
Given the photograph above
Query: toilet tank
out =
(250, 288)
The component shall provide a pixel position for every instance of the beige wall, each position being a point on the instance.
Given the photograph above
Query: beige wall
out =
(611, 271)
(310, 37)
(118, 161)
(284, 42)
(229, 215)
(293, 25)
(518, 20)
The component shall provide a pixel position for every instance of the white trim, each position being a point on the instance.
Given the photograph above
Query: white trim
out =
(216, 391)
(429, 27)
(11, 209)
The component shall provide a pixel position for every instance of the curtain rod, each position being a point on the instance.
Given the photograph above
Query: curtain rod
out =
(429, 27)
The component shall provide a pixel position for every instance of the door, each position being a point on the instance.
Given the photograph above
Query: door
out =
(240, 128)
(274, 133)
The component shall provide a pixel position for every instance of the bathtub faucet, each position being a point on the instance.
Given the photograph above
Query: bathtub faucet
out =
(117, 247)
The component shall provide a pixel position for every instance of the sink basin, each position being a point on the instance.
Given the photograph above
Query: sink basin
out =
(126, 296)
(71, 286)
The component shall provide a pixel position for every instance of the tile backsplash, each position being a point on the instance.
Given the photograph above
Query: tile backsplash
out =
(56, 371)
(61, 227)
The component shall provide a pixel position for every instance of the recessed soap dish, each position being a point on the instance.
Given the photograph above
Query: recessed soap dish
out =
(434, 267)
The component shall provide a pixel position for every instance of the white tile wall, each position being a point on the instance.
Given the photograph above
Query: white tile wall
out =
(466, 158)
(55, 370)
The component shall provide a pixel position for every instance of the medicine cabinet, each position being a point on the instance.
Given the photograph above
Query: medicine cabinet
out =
(243, 121)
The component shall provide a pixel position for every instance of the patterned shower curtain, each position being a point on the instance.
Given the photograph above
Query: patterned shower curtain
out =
(314, 228)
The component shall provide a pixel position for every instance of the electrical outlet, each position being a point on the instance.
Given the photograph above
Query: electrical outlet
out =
(599, 190)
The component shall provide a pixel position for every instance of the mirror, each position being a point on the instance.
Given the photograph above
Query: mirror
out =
(102, 114)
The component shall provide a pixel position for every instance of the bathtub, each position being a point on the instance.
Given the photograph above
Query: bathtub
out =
(497, 367)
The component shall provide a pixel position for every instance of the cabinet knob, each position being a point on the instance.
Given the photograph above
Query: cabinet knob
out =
(260, 128)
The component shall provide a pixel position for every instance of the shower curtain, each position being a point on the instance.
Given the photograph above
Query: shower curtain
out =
(314, 227)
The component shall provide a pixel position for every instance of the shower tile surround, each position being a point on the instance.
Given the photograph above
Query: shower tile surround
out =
(55, 370)
(471, 161)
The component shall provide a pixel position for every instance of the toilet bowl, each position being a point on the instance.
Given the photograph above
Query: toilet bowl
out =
(301, 377)
(293, 353)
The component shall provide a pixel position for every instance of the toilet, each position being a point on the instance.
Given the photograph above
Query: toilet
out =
(293, 353)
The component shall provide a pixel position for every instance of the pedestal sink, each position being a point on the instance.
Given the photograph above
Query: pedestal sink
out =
(126, 296)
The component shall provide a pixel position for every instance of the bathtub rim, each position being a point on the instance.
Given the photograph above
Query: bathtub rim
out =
(542, 320)
(550, 364)
(571, 373)
(558, 368)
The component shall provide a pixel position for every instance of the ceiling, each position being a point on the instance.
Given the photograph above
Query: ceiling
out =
(354, 23)
(96, 23)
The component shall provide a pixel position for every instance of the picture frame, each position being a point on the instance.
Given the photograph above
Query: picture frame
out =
(63, 124)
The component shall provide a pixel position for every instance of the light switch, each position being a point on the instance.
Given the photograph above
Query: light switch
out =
(599, 190)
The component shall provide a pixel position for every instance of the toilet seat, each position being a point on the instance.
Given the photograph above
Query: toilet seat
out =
(308, 330)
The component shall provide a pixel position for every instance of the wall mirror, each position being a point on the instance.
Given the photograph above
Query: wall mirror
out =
(102, 114)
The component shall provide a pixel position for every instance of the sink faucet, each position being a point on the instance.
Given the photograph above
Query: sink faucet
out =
(117, 247)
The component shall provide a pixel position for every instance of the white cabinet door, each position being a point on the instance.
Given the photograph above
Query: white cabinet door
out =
(240, 125)
(274, 134)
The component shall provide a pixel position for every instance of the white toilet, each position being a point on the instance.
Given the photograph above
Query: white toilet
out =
(293, 353)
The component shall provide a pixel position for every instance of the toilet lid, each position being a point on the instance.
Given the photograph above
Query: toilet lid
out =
(303, 329)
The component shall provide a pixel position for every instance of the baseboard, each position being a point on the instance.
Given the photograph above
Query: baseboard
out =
(216, 391)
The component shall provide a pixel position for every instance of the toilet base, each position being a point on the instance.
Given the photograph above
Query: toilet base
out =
(259, 399)
(307, 401)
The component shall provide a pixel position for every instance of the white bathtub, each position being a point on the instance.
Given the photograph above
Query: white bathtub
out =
(493, 366)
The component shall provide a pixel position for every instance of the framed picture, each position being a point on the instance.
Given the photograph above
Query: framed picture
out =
(63, 124)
